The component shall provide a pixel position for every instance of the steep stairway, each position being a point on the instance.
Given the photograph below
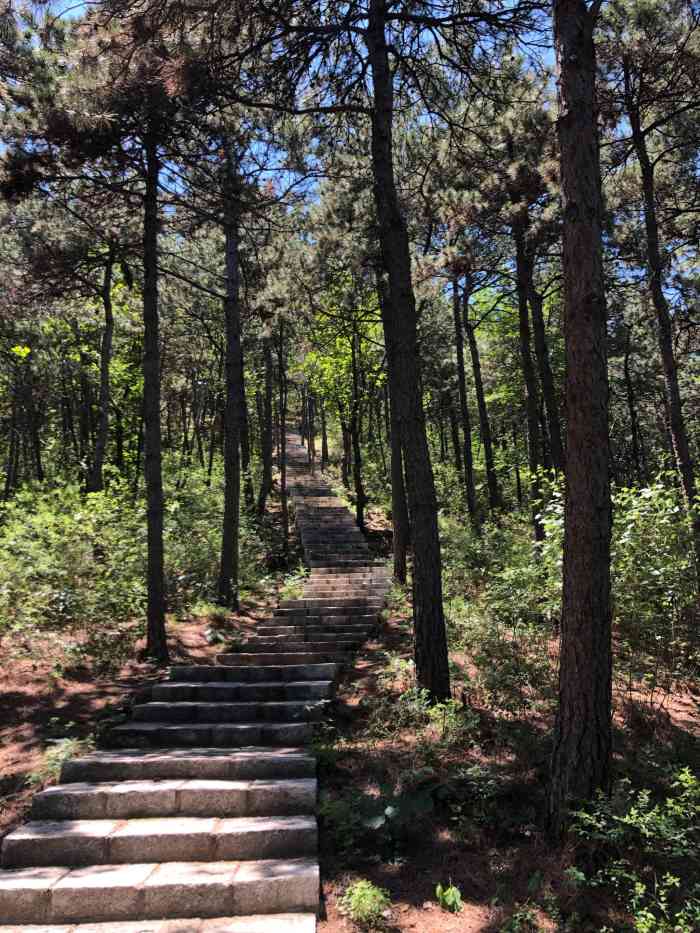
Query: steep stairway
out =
(201, 816)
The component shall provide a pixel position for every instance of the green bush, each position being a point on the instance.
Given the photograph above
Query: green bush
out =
(366, 905)
(649, 850)
(75, 564)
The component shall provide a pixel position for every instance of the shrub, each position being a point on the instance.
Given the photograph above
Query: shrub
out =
(366, 905)
(650, 852)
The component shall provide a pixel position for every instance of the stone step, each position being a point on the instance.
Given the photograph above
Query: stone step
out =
(258, 923)
(258, 644)
(134, 799)
(272, 657)
(220, 735)
(159, 839)
(102, 893)
(221, 764)
(327, 610)
(324, 592)
(329, 630)
(376, 570)
(203, 712)
(228, 691)
(263, 674)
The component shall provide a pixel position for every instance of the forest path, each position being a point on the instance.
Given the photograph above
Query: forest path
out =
(202, 816)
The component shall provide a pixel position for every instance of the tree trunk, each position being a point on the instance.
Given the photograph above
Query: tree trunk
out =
(95, 480)
(401, 527)
(454, 430)
(324, 438)
(283, 439)
(679, 434)
(244, 434)
(360, 497)
(400, 330)
(581, 758)
(556, 448)
(311, 427)
(484, 423)
(640, 473)
(347, 451)
(464, 404)
(228, 570)
(266, 428)
(531, 405)
(156, 641)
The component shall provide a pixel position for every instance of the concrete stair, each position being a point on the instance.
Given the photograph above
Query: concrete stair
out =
(200, 816)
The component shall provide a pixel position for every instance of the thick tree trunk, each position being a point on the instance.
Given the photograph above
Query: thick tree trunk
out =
(484, 423)
(679, 434)
(95, 481)
(266, 428)
(581, 757)
(156, 641)
(400, 329)
(534, 452)
(235, 401)
(556, 448)
(464, 404)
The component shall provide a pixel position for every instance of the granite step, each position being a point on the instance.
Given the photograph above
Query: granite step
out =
(206, 673)
(218, 712)
(219, 735)
(248, 764)
(244, 659)
(258, 923)
(229, 691)
(102, 893)
(75, 843)
(139, 799)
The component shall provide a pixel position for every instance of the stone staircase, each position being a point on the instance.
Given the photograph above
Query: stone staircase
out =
(201, 816)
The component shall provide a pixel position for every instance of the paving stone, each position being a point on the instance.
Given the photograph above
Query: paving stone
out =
(107, 892)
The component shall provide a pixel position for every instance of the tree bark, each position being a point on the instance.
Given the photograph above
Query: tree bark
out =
(401, 526)
(679, 434)
(400, 330)
(95, 480)
(229, 567)
(556, 448)
(324, 438)
(640, 473)
(484, 423)
(581, 757)
(464, 404)
(266, 428)
(531, 404)
(156, 640)
(283, 438)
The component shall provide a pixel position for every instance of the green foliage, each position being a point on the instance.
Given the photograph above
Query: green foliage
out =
(650, 852)
(366, 905)
(653, 586)
(74, 563)
(60, 751)
(449, 898)
(293, 584)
